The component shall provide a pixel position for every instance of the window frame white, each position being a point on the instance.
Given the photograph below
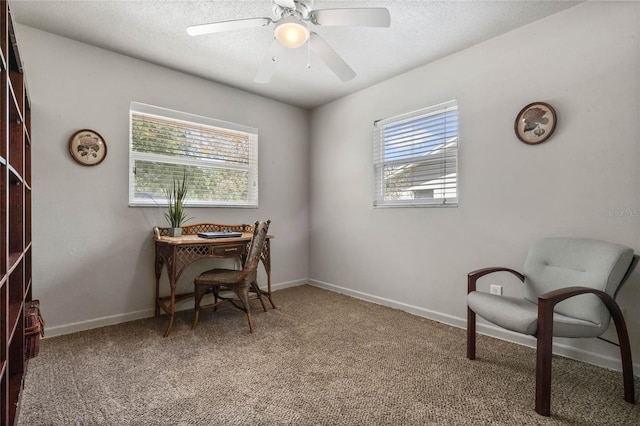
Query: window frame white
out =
(197, 120)
(449, 148)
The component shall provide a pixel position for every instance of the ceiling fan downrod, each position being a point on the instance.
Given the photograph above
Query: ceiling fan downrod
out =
(300, 10)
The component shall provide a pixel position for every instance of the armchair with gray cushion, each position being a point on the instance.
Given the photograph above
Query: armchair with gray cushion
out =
(569, 290)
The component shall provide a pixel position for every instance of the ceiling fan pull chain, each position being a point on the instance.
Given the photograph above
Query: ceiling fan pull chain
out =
(309, 53)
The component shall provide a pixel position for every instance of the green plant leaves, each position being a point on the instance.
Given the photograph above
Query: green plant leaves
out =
(176, 196)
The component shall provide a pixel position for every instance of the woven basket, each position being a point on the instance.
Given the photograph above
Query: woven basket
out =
(34, 329)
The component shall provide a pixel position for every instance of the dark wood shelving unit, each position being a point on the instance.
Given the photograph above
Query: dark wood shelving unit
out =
(15, 219)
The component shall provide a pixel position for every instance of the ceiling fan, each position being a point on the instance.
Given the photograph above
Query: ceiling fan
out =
(292, 19)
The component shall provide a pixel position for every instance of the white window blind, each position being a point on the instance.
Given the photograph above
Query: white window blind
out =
(220, 159)
(416, 158)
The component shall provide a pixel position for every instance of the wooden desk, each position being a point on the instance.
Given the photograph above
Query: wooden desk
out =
(179, 252)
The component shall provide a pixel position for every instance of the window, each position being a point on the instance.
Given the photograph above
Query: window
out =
(416, 158)
(220, 159)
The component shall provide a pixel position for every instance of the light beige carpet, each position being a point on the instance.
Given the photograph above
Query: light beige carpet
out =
(322, 359)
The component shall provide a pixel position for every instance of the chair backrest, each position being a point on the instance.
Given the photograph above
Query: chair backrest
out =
(555, 263)
(260, 230)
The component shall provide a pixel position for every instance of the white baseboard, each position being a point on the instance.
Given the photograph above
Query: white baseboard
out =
(416, 310)
(487, 329)
(287, 284)
(59, 330)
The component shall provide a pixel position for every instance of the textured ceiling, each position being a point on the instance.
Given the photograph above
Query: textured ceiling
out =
(155, 31)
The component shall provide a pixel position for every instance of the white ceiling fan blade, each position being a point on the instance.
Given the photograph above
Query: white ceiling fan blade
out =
(357, 17)
(331, 58)
(237, 24)
(268, 64)
(285, 3)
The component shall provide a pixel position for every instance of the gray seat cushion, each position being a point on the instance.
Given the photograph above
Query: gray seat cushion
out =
(521, 316)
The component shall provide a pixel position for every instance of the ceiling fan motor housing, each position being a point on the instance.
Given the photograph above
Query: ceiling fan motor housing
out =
(300, 12)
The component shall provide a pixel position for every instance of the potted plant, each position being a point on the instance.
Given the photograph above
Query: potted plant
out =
(176, 196)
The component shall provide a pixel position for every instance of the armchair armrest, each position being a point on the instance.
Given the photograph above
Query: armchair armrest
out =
(473, 276)
(548, 301)
(544, 334)
(556, 296)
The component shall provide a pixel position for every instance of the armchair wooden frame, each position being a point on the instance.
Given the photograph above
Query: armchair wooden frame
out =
(544, 333)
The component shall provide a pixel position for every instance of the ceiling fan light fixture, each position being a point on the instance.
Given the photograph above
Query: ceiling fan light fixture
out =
(291, 32)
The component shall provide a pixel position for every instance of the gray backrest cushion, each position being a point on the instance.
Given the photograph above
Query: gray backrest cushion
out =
(555, 263)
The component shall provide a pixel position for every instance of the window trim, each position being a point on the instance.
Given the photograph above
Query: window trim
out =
(165, 113)
(379, 163)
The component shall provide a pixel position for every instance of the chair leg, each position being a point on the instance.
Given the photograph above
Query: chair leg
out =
(243, 295)
(273, 304)
(625, 354)
(544, 336)
(471, 334)
(256, 288)
(198, 298)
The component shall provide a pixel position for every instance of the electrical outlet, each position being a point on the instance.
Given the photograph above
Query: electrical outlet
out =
(496, 289)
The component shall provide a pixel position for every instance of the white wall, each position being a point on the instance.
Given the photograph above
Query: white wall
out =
(92, 254)
(584, 181)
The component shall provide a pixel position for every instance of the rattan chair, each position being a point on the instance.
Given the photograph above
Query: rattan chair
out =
(237, 281)
(570, 286)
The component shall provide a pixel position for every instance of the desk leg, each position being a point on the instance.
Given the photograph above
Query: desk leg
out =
(157, 310)
(266, 261)
(158, 265)
(273, 304)
(168, 257)
(172, 309)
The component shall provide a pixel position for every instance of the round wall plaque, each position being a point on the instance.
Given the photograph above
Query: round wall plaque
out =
(87, 147)
(535, 123)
